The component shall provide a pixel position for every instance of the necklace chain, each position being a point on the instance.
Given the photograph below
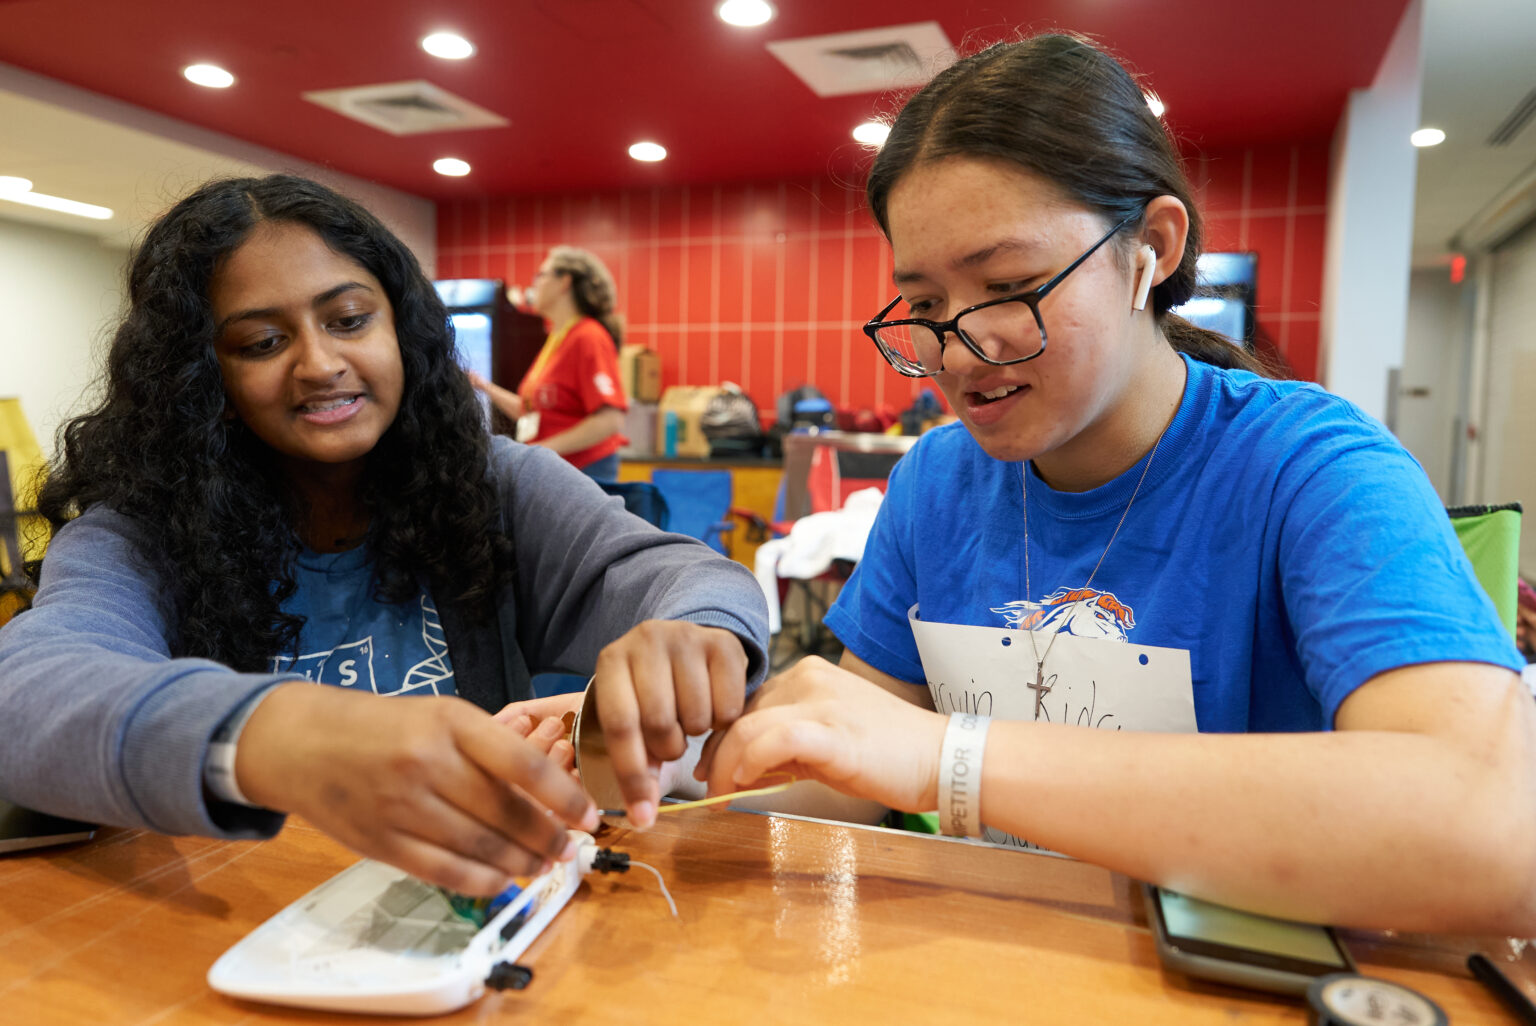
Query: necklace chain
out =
(1039, 686)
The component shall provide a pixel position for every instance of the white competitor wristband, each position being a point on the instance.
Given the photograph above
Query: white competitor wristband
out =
(960, 756)
(219, 764)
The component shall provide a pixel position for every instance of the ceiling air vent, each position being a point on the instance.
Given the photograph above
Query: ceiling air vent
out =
(406, 108)
(871, 61)
(1517, 120)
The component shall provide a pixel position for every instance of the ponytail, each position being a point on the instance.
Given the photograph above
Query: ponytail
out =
(614, 324)
(1209, 347)
(592, 288)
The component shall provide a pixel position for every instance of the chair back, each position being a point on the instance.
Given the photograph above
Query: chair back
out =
(1490, 535)
(15, 587)
(821, 470)
(10, 537)
(25, 457)
(699, 502)
(643, 499)
(836, 474)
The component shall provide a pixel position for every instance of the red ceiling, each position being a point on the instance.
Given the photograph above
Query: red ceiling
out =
(580, 80)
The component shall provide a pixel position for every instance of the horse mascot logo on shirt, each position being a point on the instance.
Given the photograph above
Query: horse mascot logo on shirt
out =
(1081, 612)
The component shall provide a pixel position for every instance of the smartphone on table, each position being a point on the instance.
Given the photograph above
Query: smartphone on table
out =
(1218, 943)
(21, 829)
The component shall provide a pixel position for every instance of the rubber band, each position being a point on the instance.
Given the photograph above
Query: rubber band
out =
(755, 792)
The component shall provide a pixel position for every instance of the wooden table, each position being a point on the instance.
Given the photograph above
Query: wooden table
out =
(781, 921)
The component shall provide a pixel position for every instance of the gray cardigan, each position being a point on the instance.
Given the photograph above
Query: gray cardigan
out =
(100, 723)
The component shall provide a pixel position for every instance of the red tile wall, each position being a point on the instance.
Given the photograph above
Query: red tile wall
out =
(1273, 200)
(767, 284)
(762, 284)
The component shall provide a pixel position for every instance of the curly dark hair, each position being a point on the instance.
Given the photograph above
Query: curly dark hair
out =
(207, 493)
(592, 288)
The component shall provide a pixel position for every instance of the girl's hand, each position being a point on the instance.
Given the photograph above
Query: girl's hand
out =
(660, 683)
(505, 400)
(818, 722)
(547, 723)
(431, 785)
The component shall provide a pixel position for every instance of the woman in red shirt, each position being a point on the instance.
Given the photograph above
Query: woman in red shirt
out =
(571, 400)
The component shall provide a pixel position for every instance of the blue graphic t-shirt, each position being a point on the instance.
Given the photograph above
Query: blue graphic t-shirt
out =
(351, 640)
(1282, 537)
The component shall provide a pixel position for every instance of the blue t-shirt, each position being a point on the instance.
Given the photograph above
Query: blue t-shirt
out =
(1282, 537)
(352, 640)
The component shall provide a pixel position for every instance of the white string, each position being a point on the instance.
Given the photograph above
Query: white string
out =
(664, 892)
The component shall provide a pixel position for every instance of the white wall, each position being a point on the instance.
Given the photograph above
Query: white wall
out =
(59, 300)
(1508, 466)
(1434, 372)
(191, 154)
(60, 289)
(1370, 227)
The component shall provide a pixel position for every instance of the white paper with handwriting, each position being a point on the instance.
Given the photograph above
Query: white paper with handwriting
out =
(1089, 682)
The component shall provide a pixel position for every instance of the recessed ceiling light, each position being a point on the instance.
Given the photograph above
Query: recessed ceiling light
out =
(448, 45)
(745, 13)
(210, 75)
(1427, 137)
(872, 133)
(19, 190)
(451, 166)
(648, 151)
(1155, 104)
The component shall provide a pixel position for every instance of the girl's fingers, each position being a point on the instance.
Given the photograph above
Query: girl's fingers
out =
(521, 763)
(444, 868)
(537, 709)
(520, 724)
(701, 769)
(652, 670)
(723, 750)
(619, 711)
(459, 805)
(549, 731)
(465, 835)
(727, 663)
(694, 689)
(804, 745)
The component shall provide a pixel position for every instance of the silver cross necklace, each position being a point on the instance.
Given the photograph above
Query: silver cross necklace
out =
(1040, 687)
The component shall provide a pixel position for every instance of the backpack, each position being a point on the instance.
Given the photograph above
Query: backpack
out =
(730, 423)
(784, 420)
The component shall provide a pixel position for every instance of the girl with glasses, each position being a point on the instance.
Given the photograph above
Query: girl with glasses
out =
(1365, 752)
(287, 483)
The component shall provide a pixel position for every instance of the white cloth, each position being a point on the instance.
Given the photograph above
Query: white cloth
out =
(813, 543)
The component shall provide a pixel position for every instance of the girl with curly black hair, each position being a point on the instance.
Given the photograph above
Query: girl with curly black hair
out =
(289, 480)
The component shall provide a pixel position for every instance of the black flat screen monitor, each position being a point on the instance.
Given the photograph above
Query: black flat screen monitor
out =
(1225, 295)
(472, 306)
(21, 829)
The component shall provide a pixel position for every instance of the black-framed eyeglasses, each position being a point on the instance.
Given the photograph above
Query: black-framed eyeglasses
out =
(915, 346)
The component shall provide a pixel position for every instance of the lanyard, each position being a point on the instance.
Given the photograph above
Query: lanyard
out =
(535, 373)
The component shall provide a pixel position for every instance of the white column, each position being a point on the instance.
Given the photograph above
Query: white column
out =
(1370, 227)
(200, 153)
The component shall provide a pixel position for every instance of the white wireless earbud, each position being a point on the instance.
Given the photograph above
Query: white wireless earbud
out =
(1148, 258)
